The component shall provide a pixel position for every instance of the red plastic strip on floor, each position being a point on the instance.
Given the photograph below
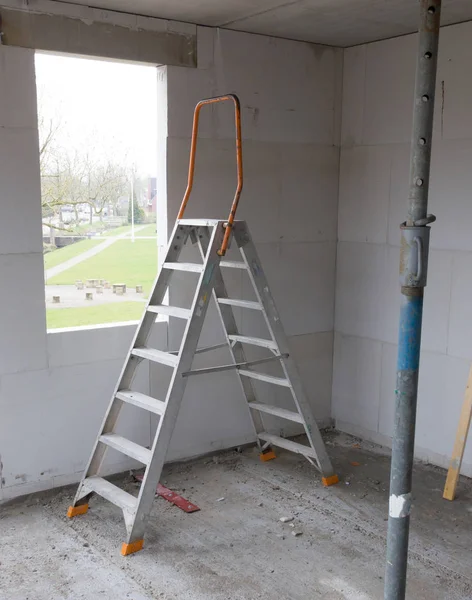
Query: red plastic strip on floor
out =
(182, 503)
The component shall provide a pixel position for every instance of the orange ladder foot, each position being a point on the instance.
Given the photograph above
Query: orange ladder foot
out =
(267, 455)
(131, 548)
(332, 480)
(77, 510)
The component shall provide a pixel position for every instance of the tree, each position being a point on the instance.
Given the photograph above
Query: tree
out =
(74, 179)
(139, 215)
(107, 182)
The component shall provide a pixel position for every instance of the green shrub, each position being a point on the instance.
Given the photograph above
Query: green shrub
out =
(48, 248)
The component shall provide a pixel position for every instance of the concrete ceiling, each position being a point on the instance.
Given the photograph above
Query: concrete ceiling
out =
(333, 22)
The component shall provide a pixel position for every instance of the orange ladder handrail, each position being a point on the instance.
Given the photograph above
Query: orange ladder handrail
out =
(239, 162)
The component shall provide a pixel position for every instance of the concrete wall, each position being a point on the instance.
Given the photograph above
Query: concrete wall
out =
(86, 31)
(290, 96)
(54, 388)
(376, 124)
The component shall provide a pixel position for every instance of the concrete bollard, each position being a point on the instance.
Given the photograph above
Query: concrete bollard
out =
(119, 288)
(56, 299)
(79, 284)
(139, 289)
(88, 295)
(99, 289)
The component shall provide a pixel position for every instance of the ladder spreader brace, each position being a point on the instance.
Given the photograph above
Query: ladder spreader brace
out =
(212, 237)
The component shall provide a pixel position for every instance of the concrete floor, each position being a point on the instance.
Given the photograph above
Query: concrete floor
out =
(237, 548)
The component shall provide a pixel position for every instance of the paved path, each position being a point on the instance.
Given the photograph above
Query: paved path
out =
(53, 271)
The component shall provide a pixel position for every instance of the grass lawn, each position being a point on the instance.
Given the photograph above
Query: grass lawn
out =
(148, 230)
(122, 262)
(117, 231)
(94, 315)
(56, 257)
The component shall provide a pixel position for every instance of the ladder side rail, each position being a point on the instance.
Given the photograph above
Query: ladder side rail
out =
(228, 321)
(272, 317)
(97, 455)
(177, 386)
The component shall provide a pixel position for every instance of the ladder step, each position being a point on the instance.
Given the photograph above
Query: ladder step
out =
(278, 412)
(253, 341)
(181, 266)
(110, 492)
(240, 303)
(142, 401)
(156, 356)
(264, 377)
(287, 444)
(232, 264)
(172, 311)
(118, 442)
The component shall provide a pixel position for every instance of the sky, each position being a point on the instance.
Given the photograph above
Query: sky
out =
(107, 108)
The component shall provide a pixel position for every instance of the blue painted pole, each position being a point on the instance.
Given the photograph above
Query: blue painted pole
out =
(413, 270)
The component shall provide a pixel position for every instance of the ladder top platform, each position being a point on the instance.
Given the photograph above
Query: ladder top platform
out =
(205, 222)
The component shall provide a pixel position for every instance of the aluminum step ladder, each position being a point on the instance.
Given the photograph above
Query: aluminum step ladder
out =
(212, 237)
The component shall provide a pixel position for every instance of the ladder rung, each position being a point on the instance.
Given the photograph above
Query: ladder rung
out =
(205, 348)
(110, 492)
(172, 311)
(287, 444)
(118, 442)
(181, 266)
(253, 341)
(156, 356)
(278, 412)
(264, 377)
(232, 264)
(240, 303)
(142, 401)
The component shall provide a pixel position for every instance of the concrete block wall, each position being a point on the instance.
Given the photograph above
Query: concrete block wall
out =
(54, 387)
(373, 188)
(290, 97)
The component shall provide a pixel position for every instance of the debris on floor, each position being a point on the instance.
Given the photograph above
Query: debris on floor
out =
(164, 492)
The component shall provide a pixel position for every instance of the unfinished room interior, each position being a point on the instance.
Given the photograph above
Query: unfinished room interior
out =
(282, 419)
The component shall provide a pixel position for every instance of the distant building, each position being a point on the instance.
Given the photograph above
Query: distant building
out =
(151, 195)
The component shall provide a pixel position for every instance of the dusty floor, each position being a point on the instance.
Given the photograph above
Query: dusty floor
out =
(237, 548)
